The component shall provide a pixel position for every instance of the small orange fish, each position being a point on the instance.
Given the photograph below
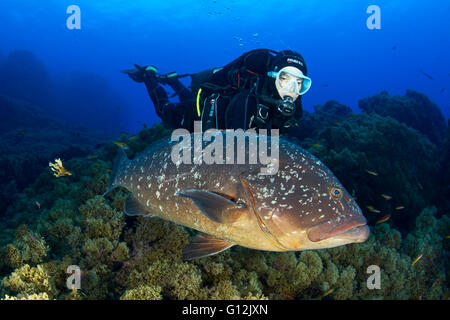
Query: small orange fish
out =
(417, 259)
(328, 293)
(121, 144)
(447, 237)
(316, 145)
(387, 197)
(399, 207)
(372, 172)
(91, 156)
(372, 209)
(385, 218)
(38, 204)
(132, 137)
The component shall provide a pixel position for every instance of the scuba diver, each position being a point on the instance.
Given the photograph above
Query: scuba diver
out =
(261, 89)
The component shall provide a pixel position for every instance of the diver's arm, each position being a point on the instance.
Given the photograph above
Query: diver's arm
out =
(183, 93)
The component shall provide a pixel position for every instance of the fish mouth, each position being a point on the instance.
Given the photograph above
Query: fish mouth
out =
(358, 234)
(351, 228)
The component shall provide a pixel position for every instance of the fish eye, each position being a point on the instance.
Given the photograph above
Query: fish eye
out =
(336, 192)
(240, 202)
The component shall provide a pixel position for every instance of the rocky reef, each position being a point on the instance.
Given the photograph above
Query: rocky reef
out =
(31, 137)
(414, 109)
(82, 97)
(123, 257)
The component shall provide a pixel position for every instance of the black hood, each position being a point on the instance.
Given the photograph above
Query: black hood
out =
(287, 58)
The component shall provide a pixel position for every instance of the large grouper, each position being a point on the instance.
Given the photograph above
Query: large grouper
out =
(300, 205)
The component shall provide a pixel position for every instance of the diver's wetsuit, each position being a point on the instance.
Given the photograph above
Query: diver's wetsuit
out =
(241, 95)
(172, 113)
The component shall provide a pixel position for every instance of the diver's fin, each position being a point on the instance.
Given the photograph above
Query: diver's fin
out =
(128, 71)
(134, 208)
(205, 245)
(214, 206)
(120, 160)
(139, 67)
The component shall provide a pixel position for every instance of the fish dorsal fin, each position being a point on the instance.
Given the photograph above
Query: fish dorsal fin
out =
(134, 208)
(215, 206)
(203, 245)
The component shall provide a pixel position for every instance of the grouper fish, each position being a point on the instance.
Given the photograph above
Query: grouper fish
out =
(301, 206)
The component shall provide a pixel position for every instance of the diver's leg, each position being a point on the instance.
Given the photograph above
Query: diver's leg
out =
(180, 90)
(157, 94)
(173, 114)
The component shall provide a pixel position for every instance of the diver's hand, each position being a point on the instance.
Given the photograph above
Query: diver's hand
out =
(140, 74)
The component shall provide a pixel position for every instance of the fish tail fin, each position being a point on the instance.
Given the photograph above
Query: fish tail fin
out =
(120, 160)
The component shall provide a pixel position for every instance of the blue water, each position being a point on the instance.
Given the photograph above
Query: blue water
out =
(345, 59)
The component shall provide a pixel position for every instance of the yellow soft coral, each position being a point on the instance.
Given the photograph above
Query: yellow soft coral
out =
(143, 293)
(34, 296)
(58, 169)
(28, 281)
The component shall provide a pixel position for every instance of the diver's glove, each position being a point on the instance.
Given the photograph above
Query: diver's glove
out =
(141, 74)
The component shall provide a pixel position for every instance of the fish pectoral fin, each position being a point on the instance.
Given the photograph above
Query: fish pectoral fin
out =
(205, 245)
(215, 206)
(134, 208)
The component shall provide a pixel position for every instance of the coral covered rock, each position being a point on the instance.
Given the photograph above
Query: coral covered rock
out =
(374, 156)
(414, 109)
(28, 281)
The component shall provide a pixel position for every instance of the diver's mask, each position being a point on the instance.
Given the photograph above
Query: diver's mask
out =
(290, 81)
